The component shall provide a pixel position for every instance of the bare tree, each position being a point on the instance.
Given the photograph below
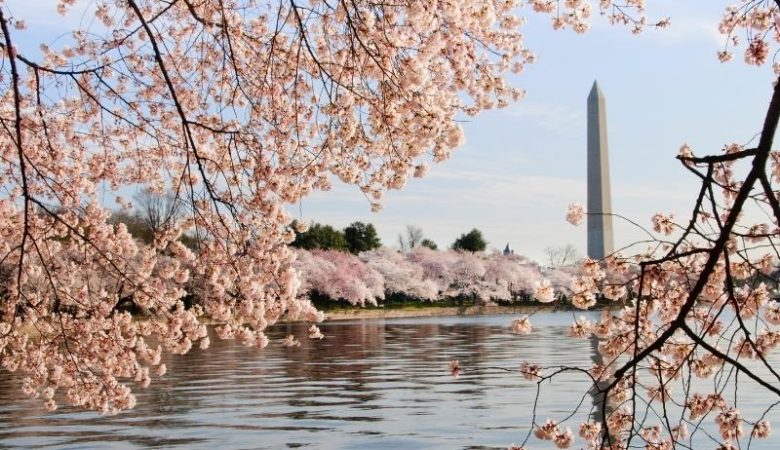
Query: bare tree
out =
(157, 210)
(411, 239)
(563, 255)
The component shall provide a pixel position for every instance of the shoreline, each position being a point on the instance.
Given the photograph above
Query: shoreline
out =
(432, 311)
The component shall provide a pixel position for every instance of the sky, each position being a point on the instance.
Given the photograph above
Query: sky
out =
(521, 166)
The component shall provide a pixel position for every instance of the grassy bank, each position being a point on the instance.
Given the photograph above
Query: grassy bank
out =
(399, 306)
(431, 310)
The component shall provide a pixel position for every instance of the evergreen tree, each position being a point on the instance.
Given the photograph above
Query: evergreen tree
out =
(429, 243)
(361, 237)
(471, 241)
(320, 236)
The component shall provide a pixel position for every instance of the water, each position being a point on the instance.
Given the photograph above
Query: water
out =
(373, 384)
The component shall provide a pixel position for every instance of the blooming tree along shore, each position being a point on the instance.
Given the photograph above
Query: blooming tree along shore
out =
(239, 107)
(426, 275)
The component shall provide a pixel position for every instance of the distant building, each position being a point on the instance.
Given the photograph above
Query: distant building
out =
(508, 251)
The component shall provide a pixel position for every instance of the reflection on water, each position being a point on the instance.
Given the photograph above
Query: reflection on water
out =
(378, 384)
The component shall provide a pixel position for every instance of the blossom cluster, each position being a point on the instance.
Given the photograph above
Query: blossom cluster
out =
(576, 14)
(750, 24)
(757, 21)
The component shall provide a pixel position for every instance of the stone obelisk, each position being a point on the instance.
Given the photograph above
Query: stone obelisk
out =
(600, 242)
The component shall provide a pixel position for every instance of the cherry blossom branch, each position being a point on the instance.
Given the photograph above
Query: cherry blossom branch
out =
(19, 144)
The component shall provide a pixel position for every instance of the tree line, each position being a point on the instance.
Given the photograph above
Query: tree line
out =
(332, 277)
(360, 237)
(151, 213)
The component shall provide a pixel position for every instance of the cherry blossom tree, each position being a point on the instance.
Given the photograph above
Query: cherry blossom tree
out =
(436, 265)
(349, 279)
(468, 271)
(512, 275)
(236, 108)
(696, 315)
(401, 276)
(373, 275)
(313, 270)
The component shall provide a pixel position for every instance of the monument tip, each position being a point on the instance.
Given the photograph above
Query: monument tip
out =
(595, 91)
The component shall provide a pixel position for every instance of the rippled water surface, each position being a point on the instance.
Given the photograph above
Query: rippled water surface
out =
(373, 384)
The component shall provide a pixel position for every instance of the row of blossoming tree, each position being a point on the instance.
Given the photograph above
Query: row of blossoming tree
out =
(429, 275)
(240, 107)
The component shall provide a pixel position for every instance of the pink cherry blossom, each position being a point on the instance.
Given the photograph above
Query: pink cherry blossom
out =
(575, 214)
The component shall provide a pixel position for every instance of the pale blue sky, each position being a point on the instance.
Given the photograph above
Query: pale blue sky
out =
(523, 165)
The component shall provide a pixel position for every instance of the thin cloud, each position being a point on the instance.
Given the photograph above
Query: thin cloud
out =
(551, 117)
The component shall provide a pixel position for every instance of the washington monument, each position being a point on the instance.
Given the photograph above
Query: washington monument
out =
(600, 242)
